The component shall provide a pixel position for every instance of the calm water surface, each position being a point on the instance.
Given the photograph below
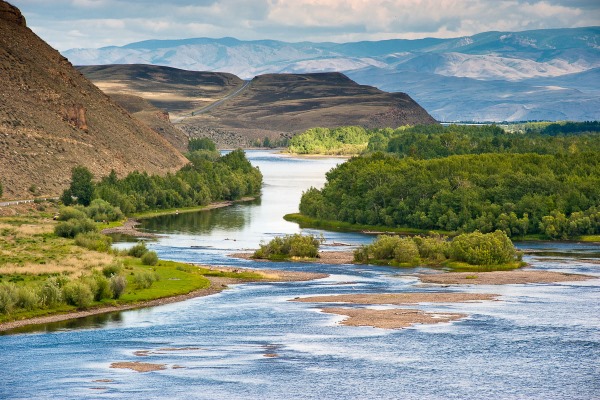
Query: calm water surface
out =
(538, 342)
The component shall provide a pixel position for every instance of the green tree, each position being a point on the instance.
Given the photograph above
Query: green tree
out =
(82, 186)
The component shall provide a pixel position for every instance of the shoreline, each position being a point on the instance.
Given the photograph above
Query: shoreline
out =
(217, 285)
(325, 257)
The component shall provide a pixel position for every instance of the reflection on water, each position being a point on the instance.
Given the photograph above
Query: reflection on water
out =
(92, 321)
(202, 222)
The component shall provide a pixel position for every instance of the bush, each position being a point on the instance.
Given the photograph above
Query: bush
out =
(201, 144)
(78, 294)
(295, 245)
(118, 283)
(138, 250)
(150, 258)
(27, 298)
(144, 279)
(8, 297)
(67, 213)
(383, 248)
(93, 241)
(72, 227)
(101, 210)
(100, 287)
(112, 270)
(406, 251)
(483, 249)
(435, 247)
(51, 293)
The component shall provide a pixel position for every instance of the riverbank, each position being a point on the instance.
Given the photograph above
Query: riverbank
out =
(217, 284)
(502, 277)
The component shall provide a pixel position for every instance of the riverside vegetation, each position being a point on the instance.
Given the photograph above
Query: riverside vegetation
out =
(544, 186)
(290, 247)
(49, 267)
(491, 251)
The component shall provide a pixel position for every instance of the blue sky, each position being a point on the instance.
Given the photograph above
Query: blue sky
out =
(68, 24)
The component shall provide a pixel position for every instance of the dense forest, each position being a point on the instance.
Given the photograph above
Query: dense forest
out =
(208, 177)
(557, 196)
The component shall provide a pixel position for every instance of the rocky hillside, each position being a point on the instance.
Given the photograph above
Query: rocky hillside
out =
(52, 118)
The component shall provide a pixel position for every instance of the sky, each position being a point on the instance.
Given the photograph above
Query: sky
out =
(67, 24)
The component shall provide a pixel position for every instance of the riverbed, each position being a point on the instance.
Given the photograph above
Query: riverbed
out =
(534, 341)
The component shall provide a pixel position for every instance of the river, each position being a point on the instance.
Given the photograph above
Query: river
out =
(540, 341)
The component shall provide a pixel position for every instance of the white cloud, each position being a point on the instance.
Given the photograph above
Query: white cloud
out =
(119, 22)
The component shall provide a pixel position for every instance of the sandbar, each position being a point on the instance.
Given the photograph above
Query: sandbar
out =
(396, 318)
(501, 277)
(398, 298)
(138, 366)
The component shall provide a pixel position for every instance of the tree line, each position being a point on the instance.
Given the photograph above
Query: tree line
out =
(435, 141)
(208, 177)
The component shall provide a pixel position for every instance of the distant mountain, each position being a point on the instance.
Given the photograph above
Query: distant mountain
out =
(472, 74)
(52, 119)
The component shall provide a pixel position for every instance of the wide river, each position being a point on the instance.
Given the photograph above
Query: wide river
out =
(540, 341)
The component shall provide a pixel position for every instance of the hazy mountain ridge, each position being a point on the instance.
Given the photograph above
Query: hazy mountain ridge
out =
(538, 59)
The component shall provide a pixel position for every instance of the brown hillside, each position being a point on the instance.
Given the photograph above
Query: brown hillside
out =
(178, 91)
(277, 104)
(156, 119)
(52, 118)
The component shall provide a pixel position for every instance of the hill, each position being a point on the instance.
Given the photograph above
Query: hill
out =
(505, 75)
(52, 118)
(291, 103)
(175, 90)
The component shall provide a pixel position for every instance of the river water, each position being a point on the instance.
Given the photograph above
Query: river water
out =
(540, 341)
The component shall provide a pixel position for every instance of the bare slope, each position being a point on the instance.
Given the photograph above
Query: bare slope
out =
(156, 119)
(286, 104)
(52, 118)
(174, 90)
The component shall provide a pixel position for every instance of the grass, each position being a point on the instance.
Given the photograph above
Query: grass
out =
(589, 238)
(30, 253)
(458, 266)
(338, 226)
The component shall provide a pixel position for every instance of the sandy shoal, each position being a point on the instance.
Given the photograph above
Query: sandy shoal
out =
(396, 318)
(398, 298)
(138, 366)
(501, 277)
(325, 257)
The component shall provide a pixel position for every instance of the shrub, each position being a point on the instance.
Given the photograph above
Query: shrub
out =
(435, 247)
(99, 286)
(483, 249)
(93, 241)
(118, 283)
(27, 298)
(406, 251)
(8, 297)
(72, 227)
(384, 246)
(201, 144)
(295, 245)
(150, 258)
(144, 279)
(138, 250)
(78, 294)
(67, 213)
(101, 210)
(112, 270)
(51, 293)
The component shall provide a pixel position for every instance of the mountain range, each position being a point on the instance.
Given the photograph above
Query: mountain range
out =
(551, 74)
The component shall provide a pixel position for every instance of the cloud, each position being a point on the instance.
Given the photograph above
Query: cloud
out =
(118, 22)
